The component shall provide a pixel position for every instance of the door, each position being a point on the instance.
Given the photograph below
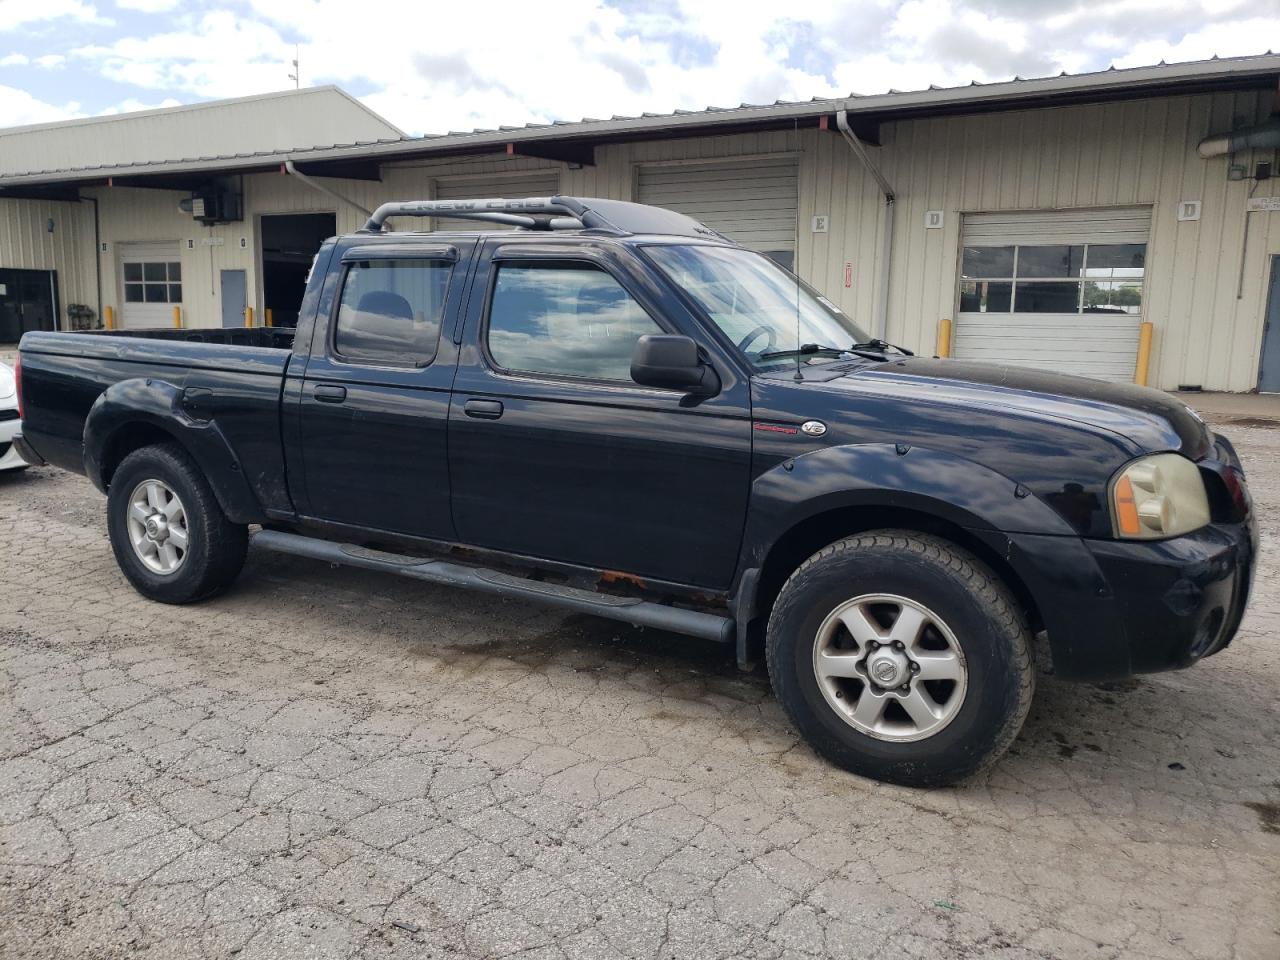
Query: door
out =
(234, 297)
(375, 396)
(1059, 290)
(754, 202)
(534, 183)
(556, 453)
(1269, 377)
(150, 284)
(28, 301)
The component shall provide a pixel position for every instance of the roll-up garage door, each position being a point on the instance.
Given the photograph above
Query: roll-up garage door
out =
(751, 201)
(493, 187)
(150, 284)
(1061, 290)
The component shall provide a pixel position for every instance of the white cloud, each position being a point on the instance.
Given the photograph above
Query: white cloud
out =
(24, 13)
(50, 61)
(147, 6)
(455, 66)
(14, 60)
(19, 107)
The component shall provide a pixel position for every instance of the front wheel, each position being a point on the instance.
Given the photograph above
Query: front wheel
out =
(168, 532)
(901, 657)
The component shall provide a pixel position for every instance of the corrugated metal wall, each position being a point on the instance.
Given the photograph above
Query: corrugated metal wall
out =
(26, 243)
(1085, 156)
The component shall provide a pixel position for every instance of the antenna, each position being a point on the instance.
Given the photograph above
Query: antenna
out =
(296, 76)
(795, 268)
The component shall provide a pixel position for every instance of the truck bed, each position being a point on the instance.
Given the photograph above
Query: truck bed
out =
(228, 378)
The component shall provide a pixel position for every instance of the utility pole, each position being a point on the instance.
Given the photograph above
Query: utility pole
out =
(297, 74)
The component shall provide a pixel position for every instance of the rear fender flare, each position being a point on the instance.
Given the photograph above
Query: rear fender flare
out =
(159, 403)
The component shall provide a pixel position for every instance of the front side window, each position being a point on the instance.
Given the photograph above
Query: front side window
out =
(1053, 278)
(390, 311)
(159, 282)
(761, 308)
(564, 319)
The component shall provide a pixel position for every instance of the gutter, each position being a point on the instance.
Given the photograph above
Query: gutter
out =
(890, 200)
(293, 171)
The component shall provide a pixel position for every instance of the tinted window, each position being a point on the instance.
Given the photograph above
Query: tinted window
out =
(567, 319)
(390, 311)
(987, 262)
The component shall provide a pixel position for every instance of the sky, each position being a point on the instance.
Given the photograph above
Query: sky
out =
(432, 67)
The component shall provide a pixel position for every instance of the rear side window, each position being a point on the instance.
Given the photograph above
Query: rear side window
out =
(390, 311)
(570, 320)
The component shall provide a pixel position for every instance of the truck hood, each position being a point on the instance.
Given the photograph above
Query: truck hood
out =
(1150, 419)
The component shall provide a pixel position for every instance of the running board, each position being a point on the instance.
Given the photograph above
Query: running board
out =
(633, 610)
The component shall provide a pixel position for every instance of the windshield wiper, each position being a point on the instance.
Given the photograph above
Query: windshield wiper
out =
(881, 346)
(805, 349)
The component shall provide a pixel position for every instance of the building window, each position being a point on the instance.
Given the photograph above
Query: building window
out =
(390, 311)
(153, 282)
(565, 319)
(1053, 278)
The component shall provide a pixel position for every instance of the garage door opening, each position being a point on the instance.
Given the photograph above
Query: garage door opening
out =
(28, 301)
(754, 202)
(1060, 290)
(289, 243)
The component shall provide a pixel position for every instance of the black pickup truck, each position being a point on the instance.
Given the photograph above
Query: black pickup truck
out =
(611, 408)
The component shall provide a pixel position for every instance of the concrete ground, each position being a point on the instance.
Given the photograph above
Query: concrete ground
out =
(328, 763)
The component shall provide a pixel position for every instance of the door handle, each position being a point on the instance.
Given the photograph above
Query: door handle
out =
(327, 394)
(483, 409)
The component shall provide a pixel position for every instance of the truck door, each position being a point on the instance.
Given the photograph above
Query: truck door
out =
(556, 453)
(375, 396)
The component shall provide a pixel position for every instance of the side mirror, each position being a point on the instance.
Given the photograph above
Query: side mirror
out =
(672, 363)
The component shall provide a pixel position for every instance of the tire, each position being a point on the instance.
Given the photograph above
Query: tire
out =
(974, 635)
(215, 548)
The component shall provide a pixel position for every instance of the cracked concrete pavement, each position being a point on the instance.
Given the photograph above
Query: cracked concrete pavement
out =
(329, 763)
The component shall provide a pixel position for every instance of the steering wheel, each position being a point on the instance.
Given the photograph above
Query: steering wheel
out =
(756, 334)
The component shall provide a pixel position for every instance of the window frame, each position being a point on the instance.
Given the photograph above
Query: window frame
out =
(351, 263)
(547, 259)
(166, 283)
(1015, 279)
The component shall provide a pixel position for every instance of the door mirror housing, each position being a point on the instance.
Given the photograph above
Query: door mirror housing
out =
(672, 363)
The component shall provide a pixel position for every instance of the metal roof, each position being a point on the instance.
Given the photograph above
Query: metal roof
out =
(1251, 72)
(265, 122)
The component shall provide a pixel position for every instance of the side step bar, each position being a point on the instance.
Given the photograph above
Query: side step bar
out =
(640, 613)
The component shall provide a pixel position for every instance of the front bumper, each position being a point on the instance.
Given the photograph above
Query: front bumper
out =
(10, 453)
(1115, 608)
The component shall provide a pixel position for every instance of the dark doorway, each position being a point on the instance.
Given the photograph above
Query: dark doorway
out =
(28, 301)
(1269, 374)
(289, 242)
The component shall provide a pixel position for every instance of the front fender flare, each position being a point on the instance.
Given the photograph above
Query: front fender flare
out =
(158, 403)
(893, 476)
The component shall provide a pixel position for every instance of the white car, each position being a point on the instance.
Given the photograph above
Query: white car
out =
(9, 422)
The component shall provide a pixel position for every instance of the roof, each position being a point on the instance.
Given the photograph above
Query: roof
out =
(574, 140)
(261, 123)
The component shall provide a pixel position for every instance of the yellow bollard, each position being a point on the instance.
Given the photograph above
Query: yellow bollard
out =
(1145, 333)
(266, 314)
(248, 316)
(109, 317)
(944, 338)
(177, 316)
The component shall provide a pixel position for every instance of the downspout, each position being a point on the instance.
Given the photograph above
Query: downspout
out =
(890, 198)
(97, 257)
(328, 191)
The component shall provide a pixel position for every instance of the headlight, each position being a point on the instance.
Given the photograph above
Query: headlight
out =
(1159, 496)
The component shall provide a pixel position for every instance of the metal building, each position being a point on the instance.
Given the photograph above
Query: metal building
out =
(1045, 220)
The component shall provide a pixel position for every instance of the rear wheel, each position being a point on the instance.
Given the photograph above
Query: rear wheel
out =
(168, 532)
(901, 657)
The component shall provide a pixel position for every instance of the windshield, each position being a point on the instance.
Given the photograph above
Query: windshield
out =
(755, 302)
